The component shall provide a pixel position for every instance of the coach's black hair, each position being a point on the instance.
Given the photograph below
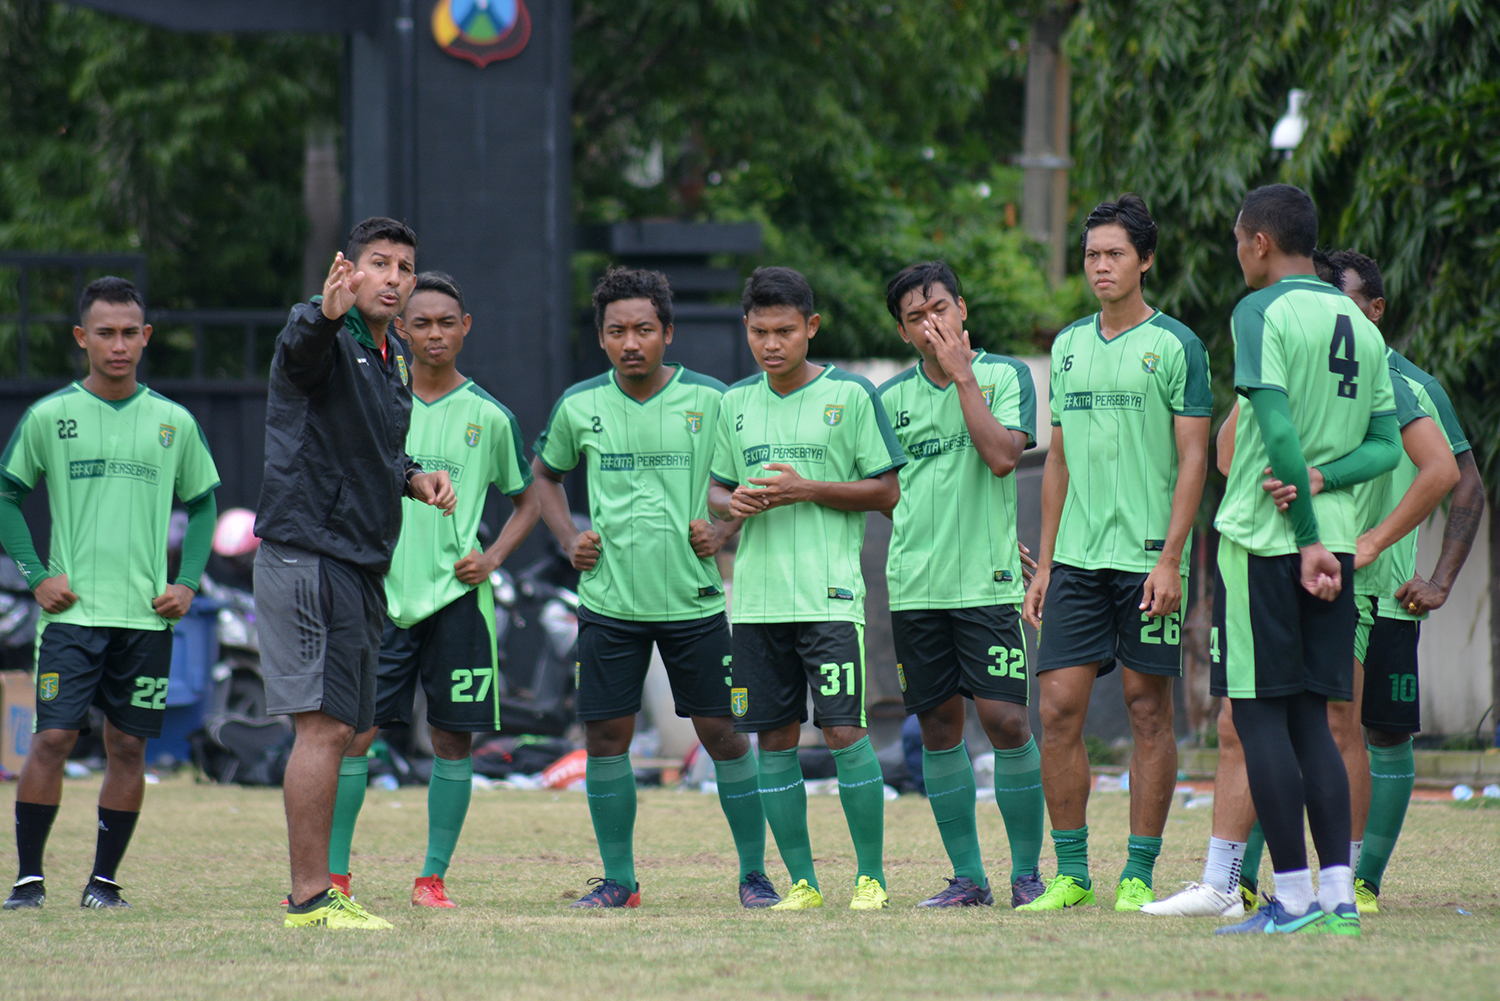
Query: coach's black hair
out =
(378, 228)
(440, 281)
(108, 289)
(627, 283)
(767, 287)
(1286, 214)
(923, 275)
(1132, 215)
(1370, 282)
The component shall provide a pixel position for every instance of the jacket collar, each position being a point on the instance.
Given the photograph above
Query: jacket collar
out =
(359, 328)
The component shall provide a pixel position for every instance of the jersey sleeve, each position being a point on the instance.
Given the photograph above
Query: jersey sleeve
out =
(1382, 386)
(723, 467)
(1192, 391)
(1448, 418)
(1259, 361)
(557, 446)
(23, 459)
(512, 472)
(878, 450)
(1014, 403)
(196, 472)
(1408, 407)
(1055, 385)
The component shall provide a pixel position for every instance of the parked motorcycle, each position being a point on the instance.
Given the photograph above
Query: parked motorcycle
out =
(19, 615)
(536, 627)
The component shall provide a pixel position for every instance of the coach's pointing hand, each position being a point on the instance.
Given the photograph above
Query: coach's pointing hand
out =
(340, 286)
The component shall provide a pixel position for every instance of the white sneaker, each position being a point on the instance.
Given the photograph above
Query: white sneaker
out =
(1199, 900)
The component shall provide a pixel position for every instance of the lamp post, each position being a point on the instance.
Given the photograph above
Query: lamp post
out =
(1291, 126)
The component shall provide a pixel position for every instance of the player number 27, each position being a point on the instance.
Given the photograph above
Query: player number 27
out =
(150, 693)
(830, 674)
(463, 681)
(1166, 629)
(1008, 662)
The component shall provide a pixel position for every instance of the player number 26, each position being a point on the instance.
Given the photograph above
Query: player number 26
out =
(463, 683)
(830, 674)
(1008, 662)
(1166, 629)
(150, 693)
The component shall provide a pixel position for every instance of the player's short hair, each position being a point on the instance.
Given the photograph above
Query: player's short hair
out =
(767, 287)
(440, 281)
(378, 228)
(1370, 282)
(923, 275)
(1286, 214)
(1131, 214)
(108, 289)
(618, 284)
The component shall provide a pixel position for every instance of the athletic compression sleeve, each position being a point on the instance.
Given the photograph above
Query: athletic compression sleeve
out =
(1274, 417)
(15, 535)
(1377, 454)
(203, 515)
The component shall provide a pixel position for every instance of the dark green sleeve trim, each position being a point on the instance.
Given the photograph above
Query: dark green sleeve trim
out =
(559, 472)
(1448, 417)
(15, 534)
(731, 484)
(1273, 415)
(203, 516)
(1376, 455)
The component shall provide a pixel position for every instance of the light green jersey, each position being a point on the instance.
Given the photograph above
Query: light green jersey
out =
(111, 468)
(800, 562)
(953, 544)
(471, 435)
(1304, 338)
(1116, 402)
(1417, 395)
(648, 467)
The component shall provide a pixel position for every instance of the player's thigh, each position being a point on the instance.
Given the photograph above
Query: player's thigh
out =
(69, 667)
(833, 655)
(926, 658)
(1327, 631)
(1255, 647)
(992, 653)
(768, 687)
(457, 665)
(1392, 697)
(697, 656)
(133, 687)
(1144, 643)
(353, 606)
(396, 675)
(1078, 620)
(613, 657)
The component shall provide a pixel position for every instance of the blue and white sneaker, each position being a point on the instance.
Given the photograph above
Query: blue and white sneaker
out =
(1272, 918)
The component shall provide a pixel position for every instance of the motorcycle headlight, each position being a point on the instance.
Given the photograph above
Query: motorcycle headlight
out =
(233, 629)
(504, 589)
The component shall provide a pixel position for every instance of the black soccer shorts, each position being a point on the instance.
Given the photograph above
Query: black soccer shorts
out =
(775, 664)
(122, 671)
(1392, 700)
(615, 654)
(973, 652)
(1095, 615)
(452, 653)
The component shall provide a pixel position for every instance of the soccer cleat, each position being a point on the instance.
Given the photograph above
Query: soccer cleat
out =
(869, 895)
(334, 909)
(608, 893)
(28, 892)
(801, 897)
(1249, 898)
(1026, 888)
(1344, 920)
(1273, 918)
(1132, 894)
(340, 881)
(1062, 892)
(428, 891)
(756, 891)
(961, 892)
(1366, 897)
(101, 893)
(1198, 900)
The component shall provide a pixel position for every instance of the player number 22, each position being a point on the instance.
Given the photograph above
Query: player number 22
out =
(150, 693)
(463, 681)
(1009, 662)
(830, 674)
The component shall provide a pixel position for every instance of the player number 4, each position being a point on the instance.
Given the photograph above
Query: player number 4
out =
(830, 674)
(150, 693)
(1341, 360)
(463, 681)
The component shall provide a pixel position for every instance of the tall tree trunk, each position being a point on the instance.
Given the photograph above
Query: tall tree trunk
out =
(1494, 541)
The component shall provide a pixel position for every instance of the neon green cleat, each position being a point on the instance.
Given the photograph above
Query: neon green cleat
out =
(336, 911)
(1248, 896)
(869, 895)
(804, 896)
(1131, 894)
(1366, 898)
(1343, 920)
(1062, 892)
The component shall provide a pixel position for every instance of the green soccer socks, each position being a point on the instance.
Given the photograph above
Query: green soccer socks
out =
(610, 782)
(354, 776)
(1255, 846)
(1073, 855)
(1393, 772)
(739, 797)
(784, 798)
(950, 792)
(1018, 793)
(1140, 860)
(862, 793)
(448, 793)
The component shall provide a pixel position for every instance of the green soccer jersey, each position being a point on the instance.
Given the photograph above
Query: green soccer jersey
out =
(953, 544)
(111, 468)
(471, 435)
(1304, 338)
(1417, 395)
(1116, 401)
(800, 562)
(648, 466)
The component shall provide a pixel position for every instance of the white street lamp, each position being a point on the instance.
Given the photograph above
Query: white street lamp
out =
(1291, 126)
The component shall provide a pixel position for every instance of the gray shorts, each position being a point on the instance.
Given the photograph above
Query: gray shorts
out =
(319, 621)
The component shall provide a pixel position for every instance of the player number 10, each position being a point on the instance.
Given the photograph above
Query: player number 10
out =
(463, 680)
(1166, 629)
(830, 674)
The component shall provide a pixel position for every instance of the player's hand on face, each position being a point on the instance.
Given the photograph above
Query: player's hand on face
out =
(584, 551)
(785, 488)
(1162, 593)
(746, 502)
(174, 602)
(1028, 565)
(53, 594)
(1036, 596)
(340, 287)
(1322, 575)
(435, 489)
(950, 346)
(706, 537)
(475, 568)
(1417, 595)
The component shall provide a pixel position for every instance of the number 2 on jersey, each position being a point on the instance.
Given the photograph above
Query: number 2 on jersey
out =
(1341, 360)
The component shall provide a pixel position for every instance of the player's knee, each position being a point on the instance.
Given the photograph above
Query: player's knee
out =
(1343, 723)
(943, 725)
(840, 737)
(608, 738)
(1062, 718)
(52, 746)
(1387, 738)
(446, 744)
(1006, 725)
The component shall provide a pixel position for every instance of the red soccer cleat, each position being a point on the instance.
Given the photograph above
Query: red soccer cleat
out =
(428, 891)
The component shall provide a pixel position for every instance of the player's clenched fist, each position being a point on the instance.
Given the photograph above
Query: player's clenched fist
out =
(584, 551)
(707, 538)
(53, 595)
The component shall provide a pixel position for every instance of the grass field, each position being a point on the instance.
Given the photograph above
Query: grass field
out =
(208, 868)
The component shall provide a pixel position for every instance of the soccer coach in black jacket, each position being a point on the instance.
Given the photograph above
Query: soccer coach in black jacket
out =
(329, 516)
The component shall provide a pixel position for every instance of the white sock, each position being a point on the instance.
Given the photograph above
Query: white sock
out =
(1354, 849)
(1335, 886)
(1294, 890)
(1222, 870)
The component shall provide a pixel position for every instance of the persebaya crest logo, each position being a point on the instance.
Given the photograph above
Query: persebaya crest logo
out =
(695, 421)
(165, 435)
(401, 368)
(46, 687)
(481, 31)
(832, 414)
(1149, 363)
(988, 392)
(471, 436)
(901, 675)
(739, 701)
